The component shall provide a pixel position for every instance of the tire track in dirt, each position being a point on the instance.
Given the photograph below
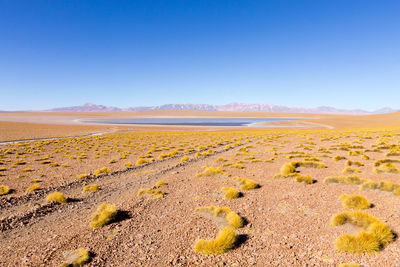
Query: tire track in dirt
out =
(10, 205)
(50, 219)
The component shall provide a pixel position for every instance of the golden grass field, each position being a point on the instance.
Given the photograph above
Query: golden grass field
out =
(239, 196)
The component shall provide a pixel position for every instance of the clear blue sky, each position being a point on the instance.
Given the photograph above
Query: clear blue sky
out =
(342, 53)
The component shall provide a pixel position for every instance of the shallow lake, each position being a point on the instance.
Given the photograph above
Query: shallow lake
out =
(192, 121)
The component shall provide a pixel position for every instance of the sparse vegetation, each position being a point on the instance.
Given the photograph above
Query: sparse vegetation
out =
(209, 171)
(104, 214)
(230, 192)
(4, 190)
(90, 188)
(222, 243)
(156, 194)
(374, 235)
(354, 202)
(56, 197)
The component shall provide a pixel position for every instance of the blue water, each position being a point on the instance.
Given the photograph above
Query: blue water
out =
(192, 121)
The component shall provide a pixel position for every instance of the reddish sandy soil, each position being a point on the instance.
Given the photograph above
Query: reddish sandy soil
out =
(287, 222)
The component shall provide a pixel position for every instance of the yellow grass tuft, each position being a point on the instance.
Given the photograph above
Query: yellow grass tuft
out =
(386, 168)
(373, 236)
(104, 214)
(337, 158)
(354, 163)
(128, 164)
(141, 161)
(246, 184)
(304, 178)
(287, 169)
(32, 188)
(82, 176)
(184, 159)
(102, 170)
(161, 183)
(56, 197)
(354, 202)
(230, 192)
(349, 170)
(237, 166)
(156, 194)
(224, 241)
(19, 162)
(365, 157)
(308, 164)
(382, 161)
(351, 179)
(349, 264)
(209, 171)
(91, 188)
(4, 190)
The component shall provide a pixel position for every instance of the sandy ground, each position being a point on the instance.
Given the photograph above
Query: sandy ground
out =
(28, 125)
(287, 222)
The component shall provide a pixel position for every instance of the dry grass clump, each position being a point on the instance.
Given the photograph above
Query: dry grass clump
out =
(355, 153)
(304, 178)
(337, 158)
(225, 240)
(102, 170)
(56, 197)
(373, 236)
(156, 194)
(386, 168)
(209, 171)
(220, 159)
(349, 170)
(382, 161)
(237, 165)
(365, 157)
(184, 159)
(82, 176)
(230, 192)
(352, 179)
(308, 164)
(222, 215)
(354, 202)
(141, 161)
(19, 162)
(104, 214)
(287, 169)
(246, 184)
(27, 170)
(32, 188)
(354, 163)
(4, 190)
(75, 258)
(91, 188)
(161, 183)
(349, 264)
(128, 164)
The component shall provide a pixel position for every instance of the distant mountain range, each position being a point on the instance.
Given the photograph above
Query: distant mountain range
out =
(234, 107)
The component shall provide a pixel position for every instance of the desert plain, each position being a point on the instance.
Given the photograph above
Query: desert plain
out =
(166, 190)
